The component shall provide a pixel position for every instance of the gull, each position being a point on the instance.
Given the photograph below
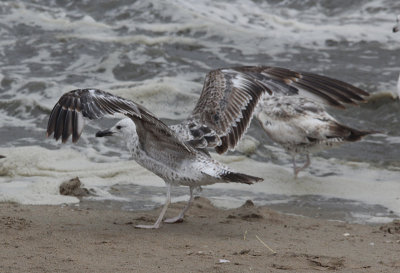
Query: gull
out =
(229, 99)
(152, 143)
(302, 126)
(300, 123)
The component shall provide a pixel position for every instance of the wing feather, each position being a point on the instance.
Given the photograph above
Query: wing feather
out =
(225, 100)
(66, 119)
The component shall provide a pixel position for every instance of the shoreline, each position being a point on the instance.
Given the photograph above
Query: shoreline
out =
(74, 239)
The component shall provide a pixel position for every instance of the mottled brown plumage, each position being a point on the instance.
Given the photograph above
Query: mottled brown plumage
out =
(230, 96)
(152, 144)
(302, 126)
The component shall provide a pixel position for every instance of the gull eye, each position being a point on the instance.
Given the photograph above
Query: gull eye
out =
(119, 127)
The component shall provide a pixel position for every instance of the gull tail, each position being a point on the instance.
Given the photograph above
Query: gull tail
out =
(351, 134)
(240, 178)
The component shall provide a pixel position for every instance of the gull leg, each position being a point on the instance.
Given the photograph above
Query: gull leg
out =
(179, 218)
(297, 170)
(157, 224)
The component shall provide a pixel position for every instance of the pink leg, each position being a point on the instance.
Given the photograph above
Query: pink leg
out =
(297, 170)
(179, 218)
(157, 224)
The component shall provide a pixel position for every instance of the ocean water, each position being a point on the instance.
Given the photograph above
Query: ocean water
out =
(157, 54)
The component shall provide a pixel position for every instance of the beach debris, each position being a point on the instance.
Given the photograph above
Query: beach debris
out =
(17, 223)
(223, 261)
(267, 246)
(391, 228)
(346, 234)
(281, 267)
(201, 253)
(73, 187)
(248, 212)
(242, 252)
(325, 263)
(251, 216)
(248, 204)
(249, 252)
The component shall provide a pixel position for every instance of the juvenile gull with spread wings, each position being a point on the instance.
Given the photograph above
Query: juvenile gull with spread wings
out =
(289, 105)
(298, 120)
(152, 143)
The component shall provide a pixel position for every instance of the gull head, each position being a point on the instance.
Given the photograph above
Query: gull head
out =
(124, 128)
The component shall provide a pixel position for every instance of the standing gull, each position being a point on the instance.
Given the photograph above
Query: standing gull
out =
(152, 143)
(302, 126)
(299, 121)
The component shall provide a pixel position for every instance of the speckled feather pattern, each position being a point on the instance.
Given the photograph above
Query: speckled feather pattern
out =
(152, 143)
(303, 126)
(230, 96)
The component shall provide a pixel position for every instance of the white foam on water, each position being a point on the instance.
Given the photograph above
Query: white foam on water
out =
(354, 181)
(366, 218)
(290, 26)
(10, 121)
(171, 93)
(262, 25)
(32, 175)
(50, 18)
(33, 191)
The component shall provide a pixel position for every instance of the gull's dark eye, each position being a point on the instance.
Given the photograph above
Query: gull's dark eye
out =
(119, 127)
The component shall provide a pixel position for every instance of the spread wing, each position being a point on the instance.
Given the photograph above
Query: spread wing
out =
(229, 97)
(67, 117)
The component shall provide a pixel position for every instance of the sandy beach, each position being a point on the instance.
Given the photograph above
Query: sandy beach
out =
(246, 239)
(158, 54)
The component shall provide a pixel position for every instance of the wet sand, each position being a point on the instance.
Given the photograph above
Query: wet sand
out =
(246, 239)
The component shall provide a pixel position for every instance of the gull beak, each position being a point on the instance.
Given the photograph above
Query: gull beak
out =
(104, 133)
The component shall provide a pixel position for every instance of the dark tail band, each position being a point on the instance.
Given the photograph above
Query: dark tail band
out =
(241, 178)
